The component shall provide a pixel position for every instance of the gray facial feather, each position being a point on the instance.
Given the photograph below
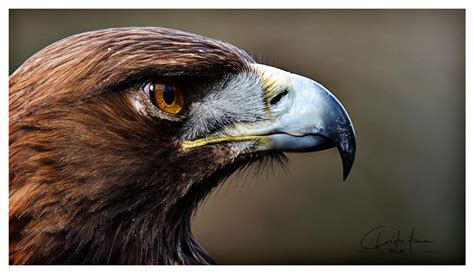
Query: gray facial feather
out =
(238, 99)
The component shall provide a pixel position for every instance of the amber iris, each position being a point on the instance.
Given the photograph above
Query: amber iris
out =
(165, 97)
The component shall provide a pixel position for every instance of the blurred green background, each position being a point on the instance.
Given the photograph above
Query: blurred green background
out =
(401, 76)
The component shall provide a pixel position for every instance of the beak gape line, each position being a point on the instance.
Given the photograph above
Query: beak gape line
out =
(308, 118)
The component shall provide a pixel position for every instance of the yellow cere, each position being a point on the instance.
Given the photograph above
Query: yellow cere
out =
(273, 79)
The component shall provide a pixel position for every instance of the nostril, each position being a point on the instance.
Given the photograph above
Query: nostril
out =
(278, 97)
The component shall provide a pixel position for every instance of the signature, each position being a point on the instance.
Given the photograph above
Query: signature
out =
(382, 239)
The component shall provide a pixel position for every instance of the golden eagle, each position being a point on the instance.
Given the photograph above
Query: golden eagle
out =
(116, 136)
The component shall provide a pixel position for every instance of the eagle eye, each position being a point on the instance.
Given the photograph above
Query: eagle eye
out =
(166, 97)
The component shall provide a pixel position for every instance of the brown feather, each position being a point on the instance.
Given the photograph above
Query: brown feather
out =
(86, 171)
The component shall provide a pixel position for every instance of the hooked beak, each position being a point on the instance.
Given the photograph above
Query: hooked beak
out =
(315, 121)
(304, 117)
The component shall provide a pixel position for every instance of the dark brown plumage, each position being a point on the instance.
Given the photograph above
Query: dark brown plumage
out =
(63, 104)
(94, 180)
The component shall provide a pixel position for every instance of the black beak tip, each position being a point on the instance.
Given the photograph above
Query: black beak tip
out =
(347, 156)
(346, 170)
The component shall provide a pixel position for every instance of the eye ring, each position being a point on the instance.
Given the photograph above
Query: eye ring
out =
(164, 96)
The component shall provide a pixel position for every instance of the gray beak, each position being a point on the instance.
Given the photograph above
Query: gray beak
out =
(315, 121)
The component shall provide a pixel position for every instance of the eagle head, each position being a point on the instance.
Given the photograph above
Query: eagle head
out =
(116, 136)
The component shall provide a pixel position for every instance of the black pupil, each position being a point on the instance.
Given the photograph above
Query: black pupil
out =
(168, 95)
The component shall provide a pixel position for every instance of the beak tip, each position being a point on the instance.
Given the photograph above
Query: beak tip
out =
(347, 161)
(344, 177)
(345, 174)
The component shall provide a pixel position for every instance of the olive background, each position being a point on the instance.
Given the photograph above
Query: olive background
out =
(400, 75)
